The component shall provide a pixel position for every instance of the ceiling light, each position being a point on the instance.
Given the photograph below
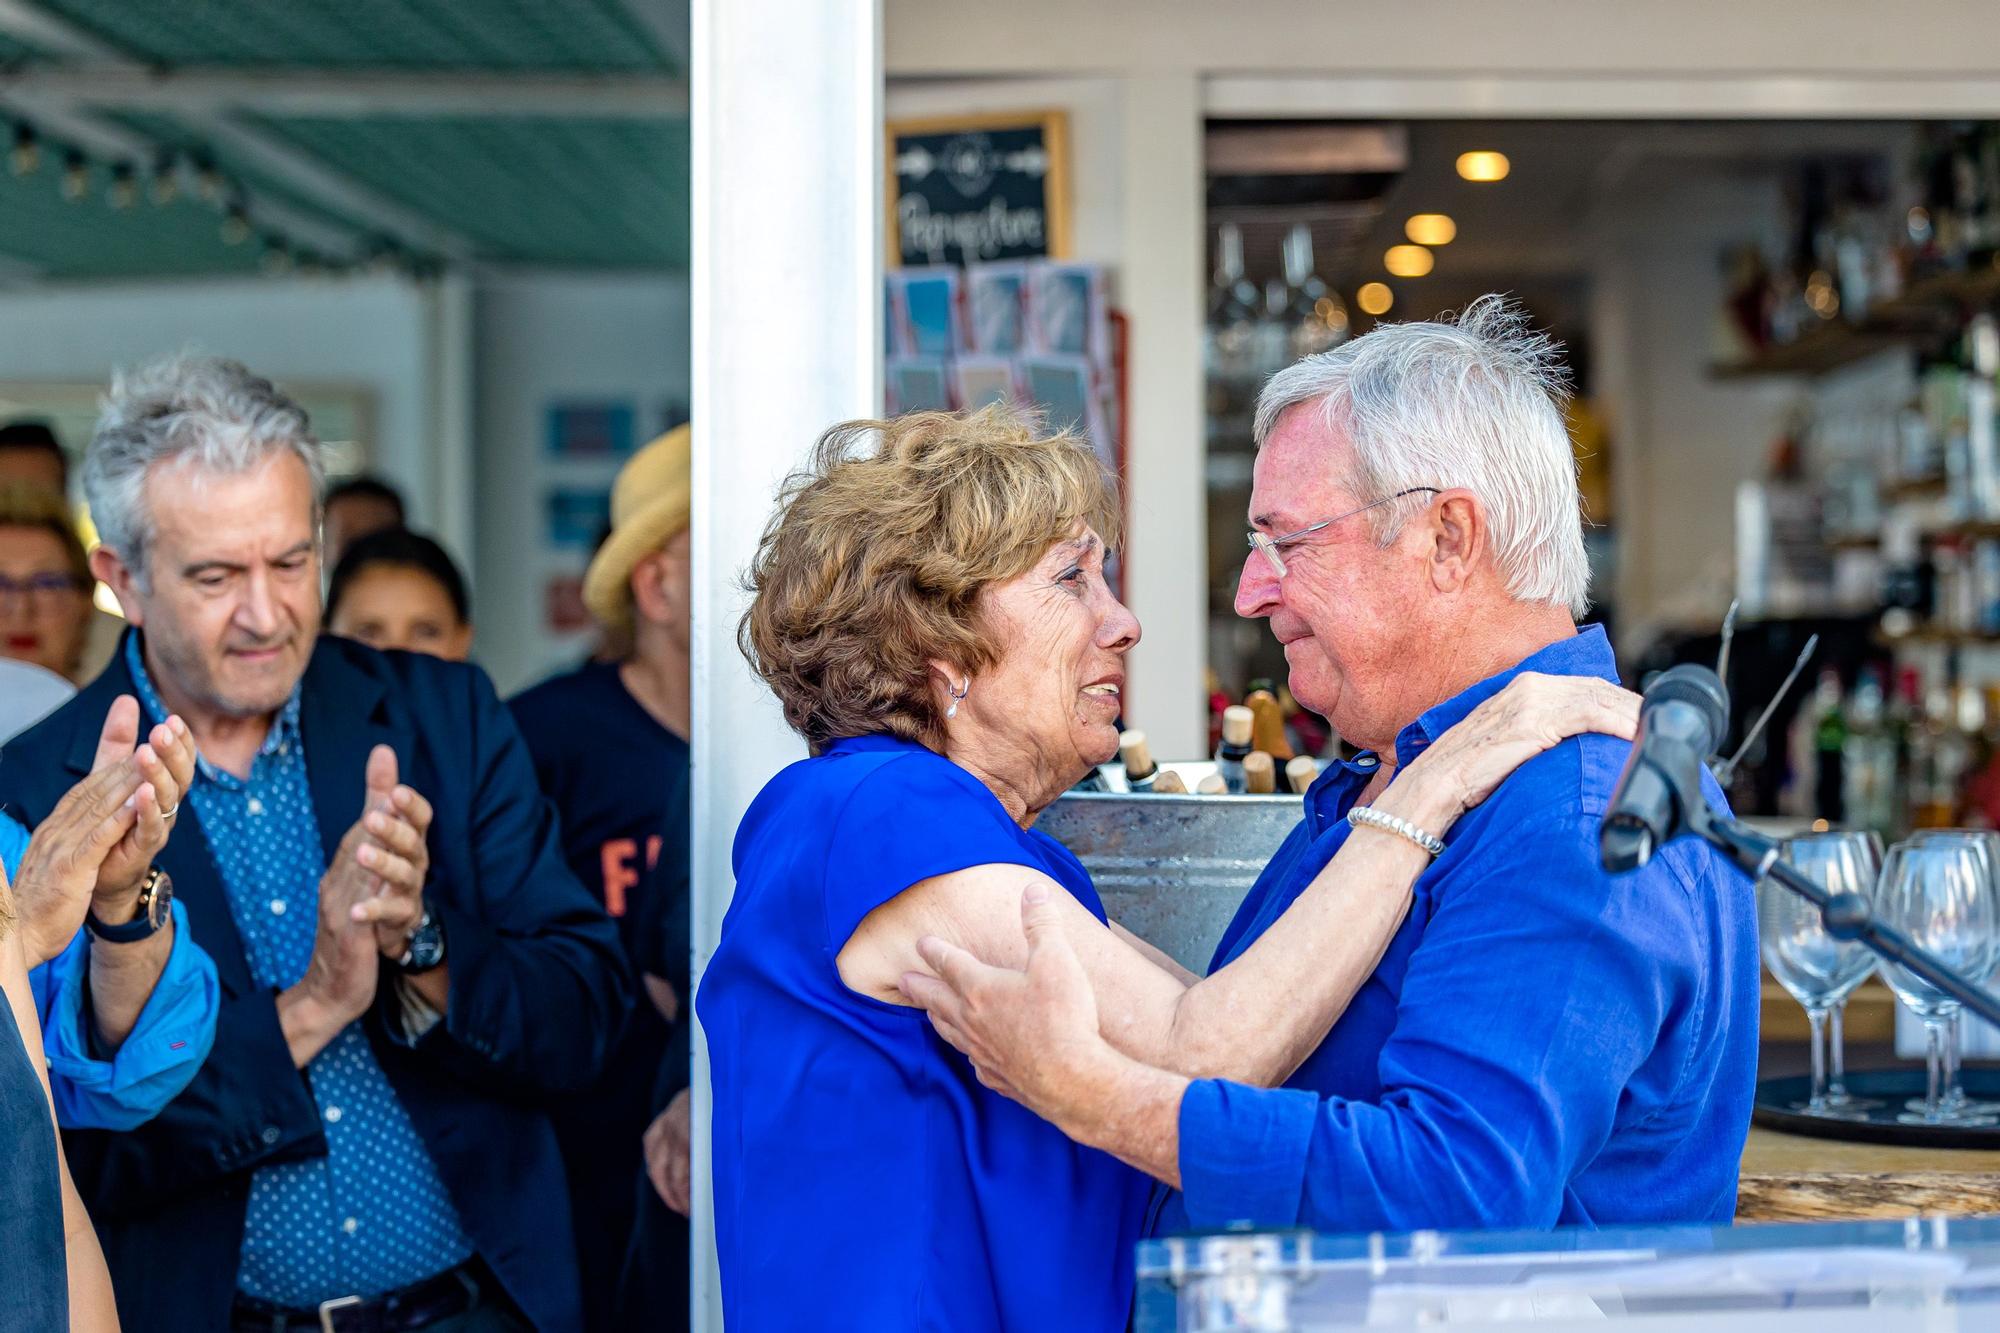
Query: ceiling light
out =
(1484, 165)
(76, 177)
(1375, 298)
(1408, 261)
(27, 153)
(1431, 229)
(166, 180)
(124, 190)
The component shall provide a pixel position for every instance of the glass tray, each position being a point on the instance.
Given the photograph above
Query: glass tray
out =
(1889, 1087)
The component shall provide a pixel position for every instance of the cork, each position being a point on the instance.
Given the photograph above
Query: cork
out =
(1268, 727)
(1169, 784)
(1300, 773)
(1136, 753)
(1237, 722)
(1260, 774)
(1212, 785)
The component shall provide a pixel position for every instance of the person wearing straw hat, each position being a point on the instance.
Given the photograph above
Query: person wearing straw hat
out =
(609, 742)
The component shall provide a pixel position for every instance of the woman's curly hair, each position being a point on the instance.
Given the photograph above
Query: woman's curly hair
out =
(873, 565)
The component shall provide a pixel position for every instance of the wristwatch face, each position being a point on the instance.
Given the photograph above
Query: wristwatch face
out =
(426, 948)
(157, 898)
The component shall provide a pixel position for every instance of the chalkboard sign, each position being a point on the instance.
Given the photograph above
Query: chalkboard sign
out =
(972, 189)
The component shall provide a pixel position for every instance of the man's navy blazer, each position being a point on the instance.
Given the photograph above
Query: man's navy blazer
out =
(538, 992)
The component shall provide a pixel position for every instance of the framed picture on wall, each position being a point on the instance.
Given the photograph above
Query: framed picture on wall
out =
(974, 189)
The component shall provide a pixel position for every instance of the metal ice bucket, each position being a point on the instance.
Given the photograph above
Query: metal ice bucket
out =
(1172, 869)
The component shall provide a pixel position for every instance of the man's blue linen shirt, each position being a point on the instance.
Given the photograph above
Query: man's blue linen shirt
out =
(372, 1214)
(1542, 1044)
(157, 1058)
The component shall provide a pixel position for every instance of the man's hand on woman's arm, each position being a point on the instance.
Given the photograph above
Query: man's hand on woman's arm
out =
(1033, 1035)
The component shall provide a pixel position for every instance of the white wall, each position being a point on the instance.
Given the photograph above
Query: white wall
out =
(1420, 38)
(1681, 440)
(367, 332)
(1136, 199)
(539, 340)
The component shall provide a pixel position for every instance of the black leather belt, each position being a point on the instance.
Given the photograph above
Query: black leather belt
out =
(416, 1306)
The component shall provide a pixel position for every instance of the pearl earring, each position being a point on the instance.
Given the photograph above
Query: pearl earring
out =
(958, 693)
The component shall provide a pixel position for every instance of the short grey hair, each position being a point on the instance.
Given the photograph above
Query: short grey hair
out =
(204, 411)
(1475, 402)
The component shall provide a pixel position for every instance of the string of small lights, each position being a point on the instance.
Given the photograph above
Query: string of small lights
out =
(175, 171)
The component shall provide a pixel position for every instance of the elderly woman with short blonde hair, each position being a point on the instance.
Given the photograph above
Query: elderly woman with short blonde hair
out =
(930, 607)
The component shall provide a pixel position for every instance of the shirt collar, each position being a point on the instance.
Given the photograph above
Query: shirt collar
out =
(1585, 653)
(284, 727)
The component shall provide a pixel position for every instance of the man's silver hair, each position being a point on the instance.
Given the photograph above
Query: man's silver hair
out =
(198, 411)
(1476, 402)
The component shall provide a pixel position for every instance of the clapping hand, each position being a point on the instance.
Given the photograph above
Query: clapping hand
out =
(394, 824)
(164, 765)
(59, 873)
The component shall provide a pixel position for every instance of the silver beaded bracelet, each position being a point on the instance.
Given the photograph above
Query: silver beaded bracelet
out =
(1367, 815)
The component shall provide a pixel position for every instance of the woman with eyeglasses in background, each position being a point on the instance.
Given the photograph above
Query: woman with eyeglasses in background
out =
(45, 582)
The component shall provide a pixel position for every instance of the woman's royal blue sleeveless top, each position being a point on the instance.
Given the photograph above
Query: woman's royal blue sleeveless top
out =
(863, 1177)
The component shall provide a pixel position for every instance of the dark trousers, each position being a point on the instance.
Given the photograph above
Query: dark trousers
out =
(653, 1291)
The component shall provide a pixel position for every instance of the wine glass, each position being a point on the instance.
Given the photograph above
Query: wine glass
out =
(1985, 844)
(1817, 857)
(1816, 968)
(1935, 892)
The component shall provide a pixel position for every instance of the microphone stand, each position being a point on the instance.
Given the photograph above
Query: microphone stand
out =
(1847, 916)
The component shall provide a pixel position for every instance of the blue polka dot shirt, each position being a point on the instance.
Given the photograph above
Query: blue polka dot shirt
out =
(373, 1214)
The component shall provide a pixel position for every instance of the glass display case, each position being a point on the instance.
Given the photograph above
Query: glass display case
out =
(1939, 1275)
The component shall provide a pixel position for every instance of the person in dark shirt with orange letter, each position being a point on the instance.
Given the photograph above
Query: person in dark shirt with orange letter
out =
(610, 747)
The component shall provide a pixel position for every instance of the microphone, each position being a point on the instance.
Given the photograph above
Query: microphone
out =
(1683, 719)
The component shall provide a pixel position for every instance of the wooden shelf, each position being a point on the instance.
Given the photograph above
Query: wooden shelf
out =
(1928, 310)
(1817, 353)
(1950, 638)
(1916, 488)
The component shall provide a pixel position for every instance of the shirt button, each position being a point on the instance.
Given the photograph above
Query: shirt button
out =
(350, 1226)
(333, 1115)
(256, 806)
(271, 1134)
(277, 907)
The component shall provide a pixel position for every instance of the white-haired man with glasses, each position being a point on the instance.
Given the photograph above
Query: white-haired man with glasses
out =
(1541, 1044)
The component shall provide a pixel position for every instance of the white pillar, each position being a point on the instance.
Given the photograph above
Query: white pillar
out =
(786, 112)
(448, 330)
(1160, 285)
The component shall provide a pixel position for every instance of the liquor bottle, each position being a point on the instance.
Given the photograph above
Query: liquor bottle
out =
(1232, 306)
(1935, 763)
(1140, 770)
(1310, 733)
(1982, 789)
(1958, 752)
(1318, 316)
(1829, 739)
(1901, 726)
(1868, 761)
(1237, 724)
(1260, 774)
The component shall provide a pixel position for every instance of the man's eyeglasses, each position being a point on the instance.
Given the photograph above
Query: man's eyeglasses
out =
(39, 589)
(1270, 547)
